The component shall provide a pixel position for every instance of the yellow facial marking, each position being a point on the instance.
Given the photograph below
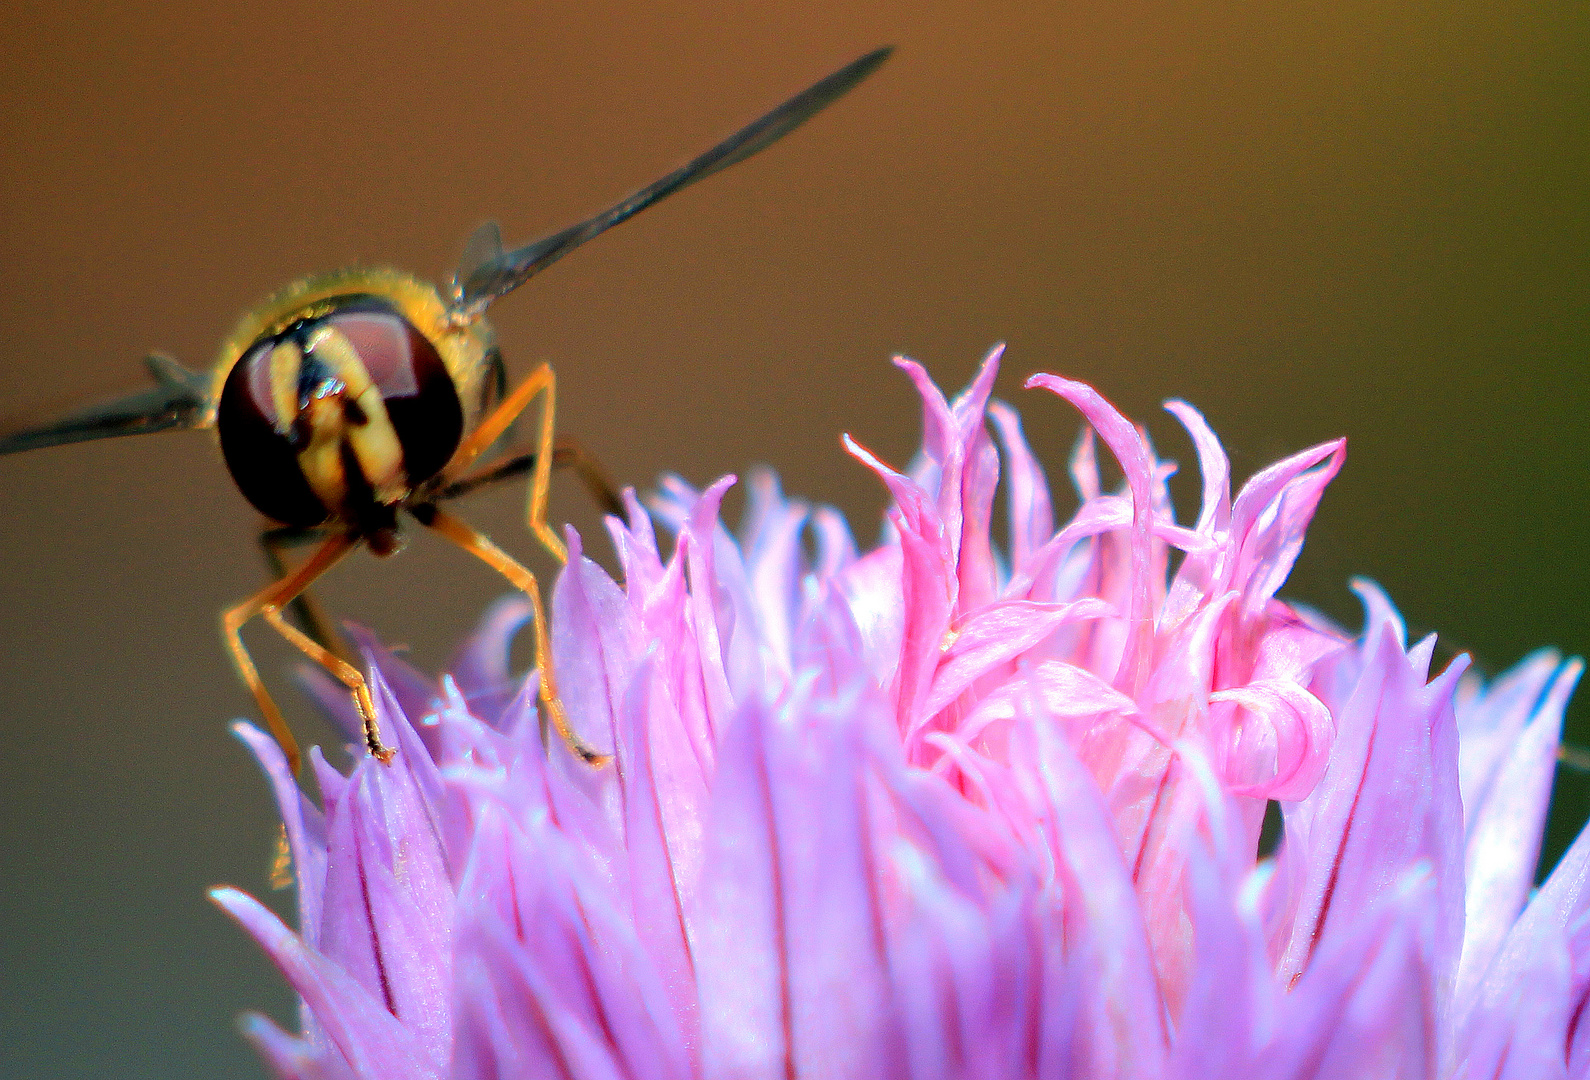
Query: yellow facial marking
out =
(374, 441)
(285, 362)
(321, 460)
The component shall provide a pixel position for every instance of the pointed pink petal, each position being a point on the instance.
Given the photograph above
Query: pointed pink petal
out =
(775, 562)
(656, 898)
(710, 607)
(1490, 719)
(1366, 1006)
(1084, 466)
(1287, 734)
(928, 588)
(501, 1029)
(288, 1056)
(1505, 836)
(1518, 1027)
(375, 1044)
(558, 927)
(514, 1023)
(389, 898)
(836, 548)
(636, 544)
(1133, 759)
(1215, 513)
(1230, 996)
(741, 950)
(1389, 798)
(480, 667)
(1031, 514)
(1558, 913)
(872, 588)
(787, 957)
(1124, 1027)
(303, 822)
(964, 979)
(958, 467)
(1138, 464)
(1270, 515)
(841, 1020)
(939, 435)
(594, 644)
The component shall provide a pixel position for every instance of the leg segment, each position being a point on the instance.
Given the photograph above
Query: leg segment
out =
(274, 541)
(492, 427)
(567, 453)
(570, 454)
(483, 549)
(269, 602)
(343, 671)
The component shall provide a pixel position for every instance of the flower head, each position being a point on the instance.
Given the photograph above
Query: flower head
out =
(945, 809)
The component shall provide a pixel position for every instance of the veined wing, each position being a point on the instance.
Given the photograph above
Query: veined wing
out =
(179, 399)
(489, 272)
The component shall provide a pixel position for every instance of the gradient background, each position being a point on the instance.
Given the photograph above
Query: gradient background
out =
(1310, 219)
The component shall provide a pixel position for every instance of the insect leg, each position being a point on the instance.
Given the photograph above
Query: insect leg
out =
(270, 600)
(489, 553)
(274, 541)
(492, 427)
(514, 464)
(566, 454)
(343, 671)
(570, 454)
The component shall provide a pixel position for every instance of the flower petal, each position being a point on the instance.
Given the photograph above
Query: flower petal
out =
(1130, 450)
(1389, 798)
(375, 1044)
(1505, 835)
(996, 634)
(1031, 513)
(788, 958)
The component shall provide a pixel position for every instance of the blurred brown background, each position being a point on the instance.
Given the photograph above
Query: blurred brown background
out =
(1308, 218)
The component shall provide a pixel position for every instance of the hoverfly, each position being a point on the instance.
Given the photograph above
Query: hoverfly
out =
(351, 397)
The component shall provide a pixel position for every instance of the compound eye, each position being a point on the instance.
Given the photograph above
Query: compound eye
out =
(420, 399)
(263, 462)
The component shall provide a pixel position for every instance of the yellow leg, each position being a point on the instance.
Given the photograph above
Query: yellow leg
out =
(541, 478)
(489, 553)
(275, 542)
(567, 453)
(570, 454)
(343, 671)
(269, 602)
(491, 429)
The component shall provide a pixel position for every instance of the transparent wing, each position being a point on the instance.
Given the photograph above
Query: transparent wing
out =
(487, 274)
(482, 251)
(179, 399)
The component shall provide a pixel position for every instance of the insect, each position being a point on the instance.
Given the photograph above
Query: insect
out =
(351, 399)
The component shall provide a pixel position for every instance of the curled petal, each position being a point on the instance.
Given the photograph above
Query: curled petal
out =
(1132, 452)
(1284, 727)
(997, 634)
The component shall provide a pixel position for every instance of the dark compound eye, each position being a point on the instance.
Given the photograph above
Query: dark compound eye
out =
(419, 396)
(420, 399)
(262, 461)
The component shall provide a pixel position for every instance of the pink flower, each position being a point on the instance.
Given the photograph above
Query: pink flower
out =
(945, 810)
